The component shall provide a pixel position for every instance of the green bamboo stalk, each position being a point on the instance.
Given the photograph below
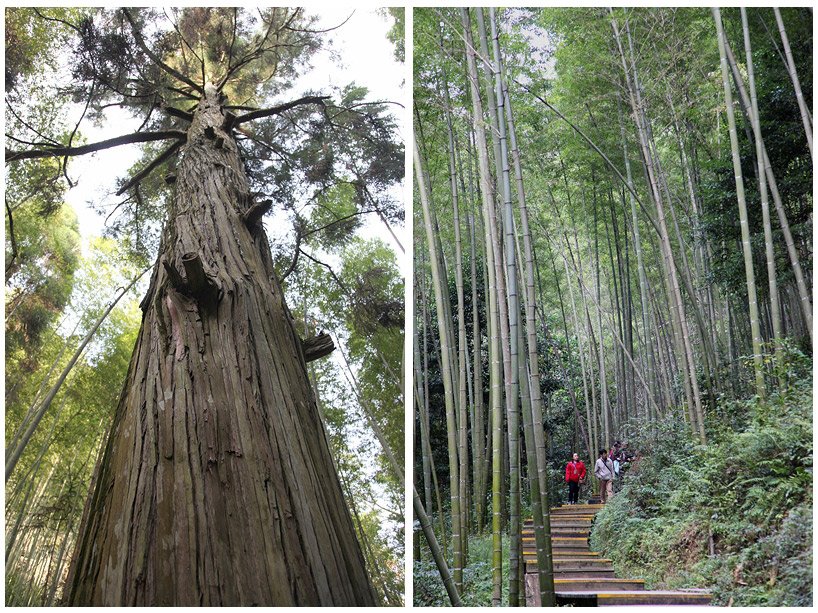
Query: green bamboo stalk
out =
(444, 333)
(758, 359)
(775, 307)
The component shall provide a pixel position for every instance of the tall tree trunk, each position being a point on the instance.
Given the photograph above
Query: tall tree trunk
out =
(637, 246)
(420, 397)
(434, 547)
(462, 356)
(495, 381)
(478, 427)
(216, 436)
(530, 387)
(513, 311)
(605, 406)
(679, 318)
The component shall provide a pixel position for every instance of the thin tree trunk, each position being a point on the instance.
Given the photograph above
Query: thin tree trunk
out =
(803, 291)
(799, 96)
(420, 398)
(434, 547)
(671, 277)
(758, 358)
(443, 323)
(530, 387)
(495, 382)
(14, 456)
(775, 307)
(513, 310)
(478, 428)
(462, 356)
(637, 245)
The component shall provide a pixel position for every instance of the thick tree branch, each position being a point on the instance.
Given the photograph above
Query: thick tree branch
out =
(136, 137)
(174, 112)
(277, 110)
(156, 59)
(149, 168)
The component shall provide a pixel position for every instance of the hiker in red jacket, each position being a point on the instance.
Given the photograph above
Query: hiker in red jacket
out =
(574, 475)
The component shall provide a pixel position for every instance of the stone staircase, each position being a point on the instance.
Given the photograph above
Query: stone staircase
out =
(581, 576)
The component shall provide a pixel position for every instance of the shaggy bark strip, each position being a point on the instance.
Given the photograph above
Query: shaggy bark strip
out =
(216, 486)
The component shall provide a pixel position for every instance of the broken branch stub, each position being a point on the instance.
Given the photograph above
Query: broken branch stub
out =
(317, 347)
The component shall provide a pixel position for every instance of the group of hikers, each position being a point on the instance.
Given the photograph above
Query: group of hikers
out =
(607, 469)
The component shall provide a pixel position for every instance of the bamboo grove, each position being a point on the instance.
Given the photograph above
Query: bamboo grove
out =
(612, 230)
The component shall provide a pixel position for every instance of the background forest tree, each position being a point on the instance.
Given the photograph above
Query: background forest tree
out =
(331, 162)
(671, 303)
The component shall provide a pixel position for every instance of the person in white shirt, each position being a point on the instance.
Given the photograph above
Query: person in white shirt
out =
(604, 471)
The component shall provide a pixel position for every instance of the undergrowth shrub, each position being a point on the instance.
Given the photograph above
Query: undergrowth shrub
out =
(734, 516)
(477, 577)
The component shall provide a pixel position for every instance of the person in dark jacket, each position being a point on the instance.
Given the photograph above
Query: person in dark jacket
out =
(604, 471)
(574, 475)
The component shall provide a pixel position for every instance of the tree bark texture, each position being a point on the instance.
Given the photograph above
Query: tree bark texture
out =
(216, 486)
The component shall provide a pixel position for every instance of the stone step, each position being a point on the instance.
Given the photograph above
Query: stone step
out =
(579, 524)
(582, 562)
(581, 515)
(560, 542)
(632, 598)
(575, 572)
(585, 524)
(566, 562)
(564, 554)
(558, 531)
(556, 541)
(577, 509)
(601, 585)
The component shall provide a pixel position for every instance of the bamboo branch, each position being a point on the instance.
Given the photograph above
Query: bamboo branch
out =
(599, 151)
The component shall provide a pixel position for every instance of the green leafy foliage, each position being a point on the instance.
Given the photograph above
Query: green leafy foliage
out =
(733, 516)
(477, 577)
(47, 491)
(40, 279)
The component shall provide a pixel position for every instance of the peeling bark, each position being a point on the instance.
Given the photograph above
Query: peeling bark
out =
(216, 486)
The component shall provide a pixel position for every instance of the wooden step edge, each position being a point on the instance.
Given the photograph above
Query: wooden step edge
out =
(564, 560)
(559, 538)
(615, 580)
